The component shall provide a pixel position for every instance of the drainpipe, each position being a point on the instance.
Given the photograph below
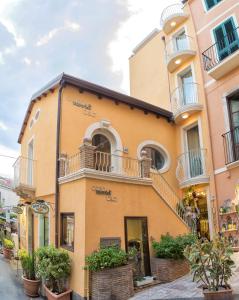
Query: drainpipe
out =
(169, 86)
(58, 128)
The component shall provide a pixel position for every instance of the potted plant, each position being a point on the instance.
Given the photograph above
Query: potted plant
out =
(211, 264)
(110, 270)
(30, 282)
(54, 267)
(8, 246)
(169, 262)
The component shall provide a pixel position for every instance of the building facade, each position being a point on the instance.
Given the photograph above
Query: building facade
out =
(105, 165)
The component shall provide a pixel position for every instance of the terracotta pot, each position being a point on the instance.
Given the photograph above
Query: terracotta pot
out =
(63, 296)
(8, 253)
(31, 287)
(225, 294)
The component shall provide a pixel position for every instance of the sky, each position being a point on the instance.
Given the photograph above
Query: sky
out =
(90, 39)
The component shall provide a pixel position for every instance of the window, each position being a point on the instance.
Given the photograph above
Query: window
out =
(67, 230)
(43, 230)
(226, 37)
(31, 123)
(181, 41)
(37, 115)
(211, 3)
(157, 159)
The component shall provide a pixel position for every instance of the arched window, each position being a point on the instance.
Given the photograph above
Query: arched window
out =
(157, 158)
(102, 158)
(102, 143)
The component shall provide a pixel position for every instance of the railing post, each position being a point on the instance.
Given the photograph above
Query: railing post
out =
(87, 154)
(145, 165)
(63, 164)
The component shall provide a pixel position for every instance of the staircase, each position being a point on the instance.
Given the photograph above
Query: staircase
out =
(168, 194)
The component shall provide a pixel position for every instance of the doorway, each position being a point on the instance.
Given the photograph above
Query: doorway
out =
(187, 85)
(136, 236)
(102, 159)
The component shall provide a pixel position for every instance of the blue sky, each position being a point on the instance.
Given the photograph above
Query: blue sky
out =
(39, 39)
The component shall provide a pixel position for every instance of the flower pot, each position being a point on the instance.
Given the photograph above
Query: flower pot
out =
(8, 253)
(223, 294)
(63, 296)
(31, 287)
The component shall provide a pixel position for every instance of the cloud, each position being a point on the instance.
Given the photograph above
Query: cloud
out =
(52, 33)
(144, 16)
(3, 126)
(7, 158)
(27, 61)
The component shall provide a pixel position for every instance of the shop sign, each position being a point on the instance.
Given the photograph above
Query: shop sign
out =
(102, 191)
(17, 210)
(40, 207)
(82, 105)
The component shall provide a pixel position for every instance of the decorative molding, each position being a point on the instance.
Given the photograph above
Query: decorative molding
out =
(219, 171)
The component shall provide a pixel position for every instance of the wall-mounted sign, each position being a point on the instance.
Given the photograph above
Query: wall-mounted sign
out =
(82, 105)
(40, 207)
(17, 210)
(102, 191)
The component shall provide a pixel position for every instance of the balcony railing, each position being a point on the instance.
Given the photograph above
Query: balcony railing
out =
(184, 97)
(222, 49)
(192, 166)
(105, 162)
(231, 145)
(170, 11)
(24, 172)
(178, 45)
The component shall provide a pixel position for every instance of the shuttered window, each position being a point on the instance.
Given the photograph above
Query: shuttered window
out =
(211, 3)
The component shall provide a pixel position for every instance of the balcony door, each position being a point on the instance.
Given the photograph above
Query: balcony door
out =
(226, 37)
(194, 155)
(30, 164)
(181, 42)
(187, 87)
(233, 105)
(102, 160)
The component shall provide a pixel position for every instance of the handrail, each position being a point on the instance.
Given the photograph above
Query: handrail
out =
(231, 145)
(179, 44)
(170, 10)
(221, 49)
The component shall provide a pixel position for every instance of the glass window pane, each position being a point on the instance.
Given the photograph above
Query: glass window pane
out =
(157, 159)
(68, 230)
(210, 3)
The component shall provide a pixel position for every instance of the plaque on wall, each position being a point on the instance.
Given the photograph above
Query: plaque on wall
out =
(110, 241)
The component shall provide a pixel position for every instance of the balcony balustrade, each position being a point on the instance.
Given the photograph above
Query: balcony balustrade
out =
(179, 50)
(25, 177)
(222, 57)
(186, 100)
(192, 168)
(172, 16)
(231, 145)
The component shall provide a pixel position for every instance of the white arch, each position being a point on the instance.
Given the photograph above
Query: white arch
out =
(104, 127)
(160, 148)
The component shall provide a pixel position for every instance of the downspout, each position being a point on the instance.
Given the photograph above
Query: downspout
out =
(169, 85)
(58, 128)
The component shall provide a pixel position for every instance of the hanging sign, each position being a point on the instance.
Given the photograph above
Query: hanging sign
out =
(17, 210)
(40, 207)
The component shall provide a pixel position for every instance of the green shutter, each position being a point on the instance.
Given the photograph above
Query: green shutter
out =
(211, 3)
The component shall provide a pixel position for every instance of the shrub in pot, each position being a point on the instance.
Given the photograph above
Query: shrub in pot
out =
(110, 270)
(30, 282)
(169, 262)
(8, 246)
(212, 265)
(54, 267)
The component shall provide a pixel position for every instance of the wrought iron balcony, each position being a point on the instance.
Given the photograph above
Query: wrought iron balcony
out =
(172, 16)
(25, 177)
(186, 100)
(223, 56)
(231, 145)
(178, 51)
(192, 168)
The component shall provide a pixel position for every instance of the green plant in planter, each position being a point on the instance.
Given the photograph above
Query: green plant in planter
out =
(106, 258)
(54, 266)
(28, 262)
(172, 248)
(8, 244)
(211, 263)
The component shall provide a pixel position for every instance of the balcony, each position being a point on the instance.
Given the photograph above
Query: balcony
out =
(231, 146)
(222, 57)
(24, 171)
(192, 168)
(186, 100)
(172, 16)
(178, 51)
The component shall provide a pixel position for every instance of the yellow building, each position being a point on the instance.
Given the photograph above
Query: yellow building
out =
(105, 164)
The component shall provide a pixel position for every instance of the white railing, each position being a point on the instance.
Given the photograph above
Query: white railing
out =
(171, 11)
(168, 194)
(24, 172)
(104, 162)
(178, 45)
(192, 165)
(185, 96)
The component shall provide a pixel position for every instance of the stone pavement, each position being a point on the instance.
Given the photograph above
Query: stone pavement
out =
(10, 285)
(183, 288)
